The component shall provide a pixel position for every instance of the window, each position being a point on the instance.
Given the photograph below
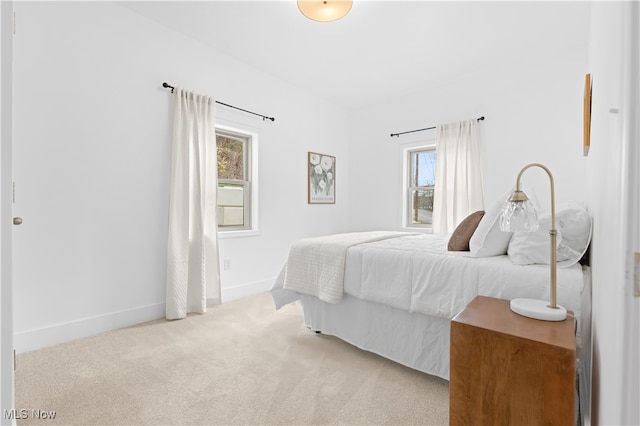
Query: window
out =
(237, 196)
(420, 180)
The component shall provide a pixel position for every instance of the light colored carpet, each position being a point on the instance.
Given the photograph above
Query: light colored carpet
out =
(241, 363)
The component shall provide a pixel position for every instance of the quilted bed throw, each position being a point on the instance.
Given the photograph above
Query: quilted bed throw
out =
(316, 265)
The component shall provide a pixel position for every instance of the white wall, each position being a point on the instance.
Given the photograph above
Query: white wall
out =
(612, 176)
(91, 165)
(533, 111)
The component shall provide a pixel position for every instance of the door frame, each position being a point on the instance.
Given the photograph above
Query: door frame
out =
(7, 397)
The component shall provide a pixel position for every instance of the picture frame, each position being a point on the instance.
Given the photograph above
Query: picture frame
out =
(587, 115)
(321, 178)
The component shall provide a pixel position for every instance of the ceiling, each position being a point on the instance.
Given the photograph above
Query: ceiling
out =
(381, 48)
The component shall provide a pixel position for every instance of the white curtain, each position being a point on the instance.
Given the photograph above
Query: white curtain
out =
(458, 188)
(193, 270)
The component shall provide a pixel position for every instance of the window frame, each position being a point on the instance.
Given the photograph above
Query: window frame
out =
(408, 188)
(250, 182)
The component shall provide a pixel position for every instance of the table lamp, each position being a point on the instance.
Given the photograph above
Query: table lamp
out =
(519, 214)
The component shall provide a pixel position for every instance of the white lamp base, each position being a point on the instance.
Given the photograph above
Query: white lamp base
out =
(538, 309)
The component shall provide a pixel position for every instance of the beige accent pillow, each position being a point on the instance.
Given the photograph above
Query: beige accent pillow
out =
(459, 240)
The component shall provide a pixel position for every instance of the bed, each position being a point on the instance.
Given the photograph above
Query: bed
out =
(395, 293)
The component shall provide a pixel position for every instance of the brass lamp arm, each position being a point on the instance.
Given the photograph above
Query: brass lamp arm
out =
(553, 232)
(553, 202)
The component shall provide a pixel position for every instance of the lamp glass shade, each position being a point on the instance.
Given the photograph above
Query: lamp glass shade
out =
(324, 10)
(518, 215)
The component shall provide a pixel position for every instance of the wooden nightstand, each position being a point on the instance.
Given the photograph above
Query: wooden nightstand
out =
(509, 369)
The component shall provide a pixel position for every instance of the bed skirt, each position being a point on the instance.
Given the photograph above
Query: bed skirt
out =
(415, 340)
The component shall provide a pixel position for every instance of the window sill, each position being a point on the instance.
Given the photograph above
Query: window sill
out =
(417, 229)
(238, 234)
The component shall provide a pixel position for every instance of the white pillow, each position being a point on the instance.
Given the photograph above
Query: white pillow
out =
(574, 225)
(488, 240)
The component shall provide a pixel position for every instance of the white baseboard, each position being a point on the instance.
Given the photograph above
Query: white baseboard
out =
(244, 290)
(31, 340)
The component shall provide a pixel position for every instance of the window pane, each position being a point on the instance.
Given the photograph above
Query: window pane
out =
(423, 168)
(230, 205)
(421, 206)
(230, 157)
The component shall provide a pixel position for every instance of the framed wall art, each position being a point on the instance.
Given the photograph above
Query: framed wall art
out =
(321, 178)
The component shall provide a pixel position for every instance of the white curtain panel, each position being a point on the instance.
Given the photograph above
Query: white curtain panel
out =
(193, 267)
(458, 188)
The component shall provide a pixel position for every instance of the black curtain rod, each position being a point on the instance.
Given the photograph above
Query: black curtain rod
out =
(264, 117)
(420, 130)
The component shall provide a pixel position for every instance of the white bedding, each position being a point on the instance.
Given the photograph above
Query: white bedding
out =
(401, 294)
(416, 273)
(316, 266)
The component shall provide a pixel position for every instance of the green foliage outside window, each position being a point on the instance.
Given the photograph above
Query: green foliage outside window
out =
(230, 158)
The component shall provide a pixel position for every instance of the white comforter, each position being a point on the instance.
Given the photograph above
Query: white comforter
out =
(416, 273)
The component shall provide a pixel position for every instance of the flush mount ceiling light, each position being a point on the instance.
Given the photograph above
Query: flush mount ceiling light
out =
(324, 10)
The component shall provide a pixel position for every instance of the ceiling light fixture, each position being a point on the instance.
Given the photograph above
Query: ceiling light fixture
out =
(324, 10)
